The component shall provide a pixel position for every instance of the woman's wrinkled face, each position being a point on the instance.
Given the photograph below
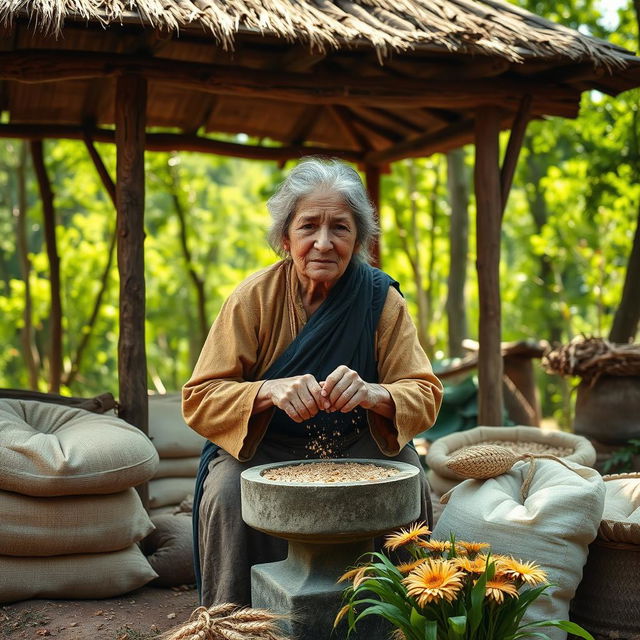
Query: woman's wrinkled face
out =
(321, 238)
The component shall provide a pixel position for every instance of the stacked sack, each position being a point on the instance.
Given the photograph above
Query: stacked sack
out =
(70, 518)
(179, 448)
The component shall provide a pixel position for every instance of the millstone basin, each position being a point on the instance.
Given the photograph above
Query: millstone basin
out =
(329, 525)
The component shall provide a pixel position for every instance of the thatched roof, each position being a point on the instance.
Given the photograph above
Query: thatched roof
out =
(369, 80)
(476, 27)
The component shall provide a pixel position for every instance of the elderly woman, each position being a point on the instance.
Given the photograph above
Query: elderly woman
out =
(312, 357)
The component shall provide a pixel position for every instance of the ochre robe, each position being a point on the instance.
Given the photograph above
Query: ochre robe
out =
(256, 324)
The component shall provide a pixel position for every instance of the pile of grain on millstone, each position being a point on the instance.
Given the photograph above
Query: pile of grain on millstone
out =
(330, 472)
(526, 447)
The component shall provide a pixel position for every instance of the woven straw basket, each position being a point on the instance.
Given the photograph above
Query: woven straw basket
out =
(607, 602)
(442, 478)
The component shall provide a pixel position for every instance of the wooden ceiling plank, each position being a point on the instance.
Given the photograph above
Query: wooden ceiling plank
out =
(303, 126)
(209, 104)
(342, 116)
(298, 59)
(177, 142)
(373, 127)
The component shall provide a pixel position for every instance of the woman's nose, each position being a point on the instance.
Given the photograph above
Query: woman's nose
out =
(323, 239)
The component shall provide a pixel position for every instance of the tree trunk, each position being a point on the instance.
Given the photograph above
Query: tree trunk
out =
(88, 329)
(196, 279)
(627, 317)
(49, 216)
(29, 349)
(458, 183)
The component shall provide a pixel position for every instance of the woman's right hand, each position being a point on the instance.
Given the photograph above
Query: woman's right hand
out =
(299, 397)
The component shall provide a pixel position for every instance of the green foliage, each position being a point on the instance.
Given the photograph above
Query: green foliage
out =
(622, 460)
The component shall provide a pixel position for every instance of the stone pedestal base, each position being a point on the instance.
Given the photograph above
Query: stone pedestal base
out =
(304, 589)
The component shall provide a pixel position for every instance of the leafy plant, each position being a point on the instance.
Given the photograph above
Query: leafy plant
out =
(447, 590)
(621, 461)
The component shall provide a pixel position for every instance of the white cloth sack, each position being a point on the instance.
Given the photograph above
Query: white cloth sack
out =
(166, 491)
(170, 434)
(52, 450)
(554, 526)
(71, 524)
(83, 576)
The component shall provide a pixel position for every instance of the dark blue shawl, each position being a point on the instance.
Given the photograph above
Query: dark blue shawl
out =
(341, 331)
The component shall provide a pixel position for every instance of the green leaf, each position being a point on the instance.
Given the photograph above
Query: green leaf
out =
(457, 627)
(477, 600)
(431, 630)
(565, 625)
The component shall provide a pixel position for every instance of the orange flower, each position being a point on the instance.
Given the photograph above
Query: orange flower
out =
(437, 546)
(434, 580)
(522, 572)
(472, 548)
(404, 536)
(475, 565)
(357, 575)
(497, 588)
(406, 567)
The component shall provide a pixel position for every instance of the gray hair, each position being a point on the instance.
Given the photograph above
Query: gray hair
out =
(304, 179)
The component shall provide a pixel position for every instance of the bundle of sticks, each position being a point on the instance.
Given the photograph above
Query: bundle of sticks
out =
(591, 358)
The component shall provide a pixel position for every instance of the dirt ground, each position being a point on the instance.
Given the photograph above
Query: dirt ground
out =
(140, 615)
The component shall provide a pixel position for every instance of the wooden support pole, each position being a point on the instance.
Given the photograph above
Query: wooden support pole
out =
(49, 217)
(372, 177)
(518, 129)
(130, 115)
(488, 219)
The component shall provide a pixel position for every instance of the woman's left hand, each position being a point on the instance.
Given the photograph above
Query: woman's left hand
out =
(346, 390)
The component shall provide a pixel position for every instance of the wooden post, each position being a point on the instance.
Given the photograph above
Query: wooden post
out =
(372, 177)
(49, 217)
(488, 218)
(130, 113)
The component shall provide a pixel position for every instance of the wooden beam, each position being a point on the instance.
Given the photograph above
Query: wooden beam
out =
(447, 138)
(49, 219)
(176, 142)
(514, 145)
(372, 177)
(308, 88)
(342, 117)
(131, 101)
(303, 126)
(488, 218)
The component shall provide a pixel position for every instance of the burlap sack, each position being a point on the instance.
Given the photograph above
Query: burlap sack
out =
(70, 524)
(170, 434)
(165, 491)
(52, 450)
(84, 576)
(169, 550)
(440, 451)
(178, 467)
(553, 527)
